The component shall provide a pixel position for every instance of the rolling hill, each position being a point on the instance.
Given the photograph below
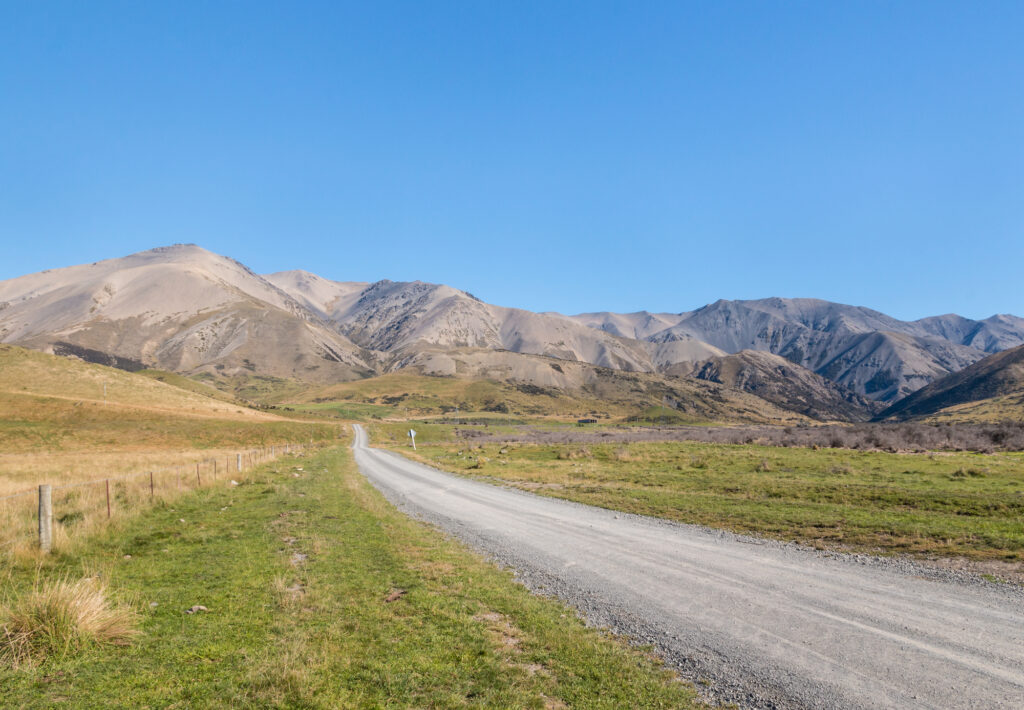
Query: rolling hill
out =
(27, 376)
(989, 387)
(64, 421)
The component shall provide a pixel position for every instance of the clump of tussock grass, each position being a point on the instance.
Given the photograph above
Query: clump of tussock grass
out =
(61, 617)
(288, 590)
(568, 455)
(964, 472)
(622, 454)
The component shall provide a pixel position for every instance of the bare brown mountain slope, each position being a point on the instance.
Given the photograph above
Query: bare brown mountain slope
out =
(786, 384)
(178, 308)
(403, 318)
(573, 384)
(869, 352)
(997, 376)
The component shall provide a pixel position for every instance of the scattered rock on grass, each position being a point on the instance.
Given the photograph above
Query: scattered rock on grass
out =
(394, 596)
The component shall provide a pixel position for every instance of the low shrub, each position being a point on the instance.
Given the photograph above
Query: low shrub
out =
(915, 437)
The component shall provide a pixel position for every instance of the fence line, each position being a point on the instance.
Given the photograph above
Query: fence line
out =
(17, 495)
(72, 509)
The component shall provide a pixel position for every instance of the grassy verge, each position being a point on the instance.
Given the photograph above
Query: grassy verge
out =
(968, 505)
(319, 594)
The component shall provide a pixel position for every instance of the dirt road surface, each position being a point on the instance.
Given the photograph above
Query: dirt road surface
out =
(758, 623)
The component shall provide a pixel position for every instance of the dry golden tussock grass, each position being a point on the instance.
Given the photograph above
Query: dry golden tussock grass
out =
(79, 510)
(61, 617)
(21, 472)
(27, 373)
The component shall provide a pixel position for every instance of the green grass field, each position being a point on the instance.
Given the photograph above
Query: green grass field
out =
(320, 595)
(969, 505)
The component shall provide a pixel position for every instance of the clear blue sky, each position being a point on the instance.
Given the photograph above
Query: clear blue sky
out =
(549, 155)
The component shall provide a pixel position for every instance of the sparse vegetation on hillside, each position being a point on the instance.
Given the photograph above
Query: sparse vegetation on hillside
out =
(54, 418)
(997, 377)
(1002, 409)
(613, 395)
(196, 385)
(28, 373)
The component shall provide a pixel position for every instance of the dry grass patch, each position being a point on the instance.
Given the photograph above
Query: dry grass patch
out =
(22, 472)
(502, 632)
(61, 617)
(288, 590)
(27, 373)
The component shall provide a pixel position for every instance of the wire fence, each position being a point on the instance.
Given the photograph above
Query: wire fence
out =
(83, 505)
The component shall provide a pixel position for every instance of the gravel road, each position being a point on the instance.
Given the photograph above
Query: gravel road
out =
(758, 623)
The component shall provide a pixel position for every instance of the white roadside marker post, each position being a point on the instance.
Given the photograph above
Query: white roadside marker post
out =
(412, 435)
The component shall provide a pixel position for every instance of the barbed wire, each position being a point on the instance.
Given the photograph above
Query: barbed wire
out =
(18, 495)
(155, 471)
(280, 450)
(254, 457)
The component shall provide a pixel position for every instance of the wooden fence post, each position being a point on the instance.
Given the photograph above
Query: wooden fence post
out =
(238, 463)
(199, 481)
(45, 518)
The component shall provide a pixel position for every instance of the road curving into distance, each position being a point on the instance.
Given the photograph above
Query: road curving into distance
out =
(767, 624)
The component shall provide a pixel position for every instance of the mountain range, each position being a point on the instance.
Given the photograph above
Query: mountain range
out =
(185, 309)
